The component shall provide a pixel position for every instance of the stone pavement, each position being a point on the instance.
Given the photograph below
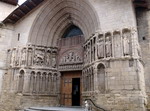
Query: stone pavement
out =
(55, 109)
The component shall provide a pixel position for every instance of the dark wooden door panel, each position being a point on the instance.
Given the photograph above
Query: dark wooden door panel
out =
(67, 89)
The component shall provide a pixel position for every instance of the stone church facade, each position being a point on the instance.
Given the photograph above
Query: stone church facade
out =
(61, 52)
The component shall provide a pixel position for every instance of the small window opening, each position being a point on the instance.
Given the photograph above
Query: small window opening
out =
(72, 31)
(143, 38)
(18, 36)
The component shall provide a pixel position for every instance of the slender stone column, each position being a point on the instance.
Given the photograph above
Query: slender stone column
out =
(26, 82)
(83, 83)
(96, 57)
(95, 79)
(46, 84)
(34, 83)
(112, 39)
(49, 83)
(52, 84)
(40, 83)
(90, 51)
(121, 44)
(59, 82)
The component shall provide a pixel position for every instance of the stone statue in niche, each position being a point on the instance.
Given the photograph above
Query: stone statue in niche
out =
(126, 43)
(85, 57)
(117, 44)
(100, 47)
(18, 57)
(23, 57)
(48, 58)
(108, 46)
(54, 61)
(13, 57)
(30, 58)
(39, 57)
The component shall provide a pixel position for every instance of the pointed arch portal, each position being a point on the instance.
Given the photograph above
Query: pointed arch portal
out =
(57, 16)
(66, 24)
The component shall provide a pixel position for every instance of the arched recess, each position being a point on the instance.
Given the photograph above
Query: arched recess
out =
(101, 77)
(21, 81)
(57, 16)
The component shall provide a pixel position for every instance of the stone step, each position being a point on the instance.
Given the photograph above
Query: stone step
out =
(55, 109)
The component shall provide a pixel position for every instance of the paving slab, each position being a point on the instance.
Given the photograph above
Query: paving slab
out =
(55, 109)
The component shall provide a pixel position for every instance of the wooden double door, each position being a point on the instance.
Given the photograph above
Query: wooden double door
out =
(71, 88)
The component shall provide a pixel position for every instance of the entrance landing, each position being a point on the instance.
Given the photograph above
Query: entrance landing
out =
(55, 109)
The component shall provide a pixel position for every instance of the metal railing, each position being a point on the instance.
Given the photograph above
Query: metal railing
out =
(89, 107)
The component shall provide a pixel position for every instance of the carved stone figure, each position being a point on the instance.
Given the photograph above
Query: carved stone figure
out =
(126, 43)
(18, 57)
(117, 45)
(30, 58)
(39, 57)
(85, 57)
(13, 58)
(88, 54)
(23, 57)
(77, 58)
(54, 61)
(48, 58)
(108, 46)
(100, 47)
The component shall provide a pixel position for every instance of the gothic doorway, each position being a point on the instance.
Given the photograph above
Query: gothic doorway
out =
(71, 88)
(70, 62)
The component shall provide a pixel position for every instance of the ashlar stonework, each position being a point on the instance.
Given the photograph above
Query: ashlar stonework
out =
(62, 52)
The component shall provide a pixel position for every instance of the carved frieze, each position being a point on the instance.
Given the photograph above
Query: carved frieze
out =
(31, 56)
(71, 57)
(110, 45)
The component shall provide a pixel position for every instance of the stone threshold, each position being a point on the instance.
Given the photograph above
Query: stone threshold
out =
(55, 109)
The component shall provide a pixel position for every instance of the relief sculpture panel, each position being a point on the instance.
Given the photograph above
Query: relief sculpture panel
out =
(70, 58)
(39, 57)
(32, 56)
